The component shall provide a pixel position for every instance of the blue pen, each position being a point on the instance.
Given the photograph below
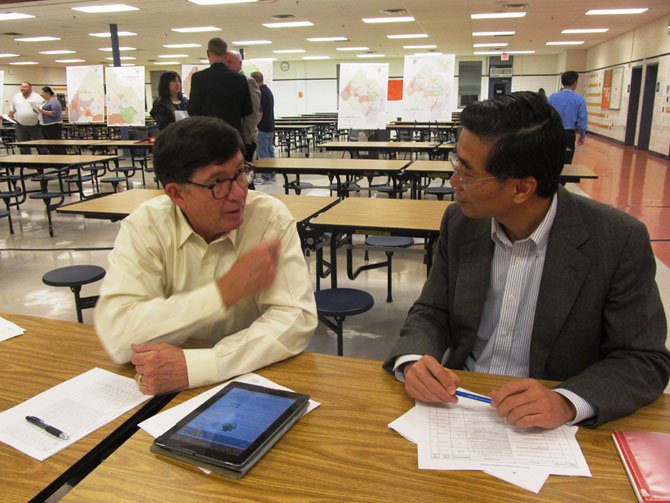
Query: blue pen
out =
(471, 396)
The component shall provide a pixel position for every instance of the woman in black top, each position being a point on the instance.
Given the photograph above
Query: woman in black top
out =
(169, 101)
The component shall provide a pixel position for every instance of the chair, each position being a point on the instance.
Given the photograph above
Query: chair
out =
(382, 242)
(440, 191)
(74, 277)
(340, 303)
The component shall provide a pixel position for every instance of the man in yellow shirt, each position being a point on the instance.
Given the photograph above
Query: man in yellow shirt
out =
(210, 260)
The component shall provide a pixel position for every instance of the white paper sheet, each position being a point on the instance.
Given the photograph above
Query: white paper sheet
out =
(160, 423)
(414, 426)
(9, 329)
(77, 407)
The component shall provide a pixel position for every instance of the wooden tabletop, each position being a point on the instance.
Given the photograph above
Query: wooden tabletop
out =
(122, 204)
(344, 451)
(441, 168)
(325, 165)
(112, 206)
(305, 207)
(128, 144)
(379, 145)
(49, 353)
(61, 143)
(384, 215)
(53, 159)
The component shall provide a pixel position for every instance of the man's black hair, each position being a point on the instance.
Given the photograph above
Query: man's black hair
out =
(568, 78)
(188, 145)
(527, 137)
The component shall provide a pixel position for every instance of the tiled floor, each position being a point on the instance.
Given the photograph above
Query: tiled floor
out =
(631, 180)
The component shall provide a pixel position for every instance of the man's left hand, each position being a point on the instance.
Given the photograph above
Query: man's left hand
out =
(161, 368)
(527, 403)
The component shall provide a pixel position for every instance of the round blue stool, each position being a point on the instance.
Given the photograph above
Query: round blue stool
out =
(75, 276)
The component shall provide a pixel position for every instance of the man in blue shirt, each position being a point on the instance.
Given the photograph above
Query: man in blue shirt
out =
(572, 109)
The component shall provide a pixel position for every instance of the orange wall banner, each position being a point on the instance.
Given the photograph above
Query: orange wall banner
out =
(395, 90)
(607, 90)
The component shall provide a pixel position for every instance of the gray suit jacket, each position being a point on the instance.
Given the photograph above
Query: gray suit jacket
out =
(599, 323)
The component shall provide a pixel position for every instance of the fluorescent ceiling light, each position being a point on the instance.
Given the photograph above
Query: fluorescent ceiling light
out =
(205, 61)
(315, 57)
(100, 9)
(8, 55)
(289, 51)
(10, 16)
(586, 30)
(251, 42)
(122, 58)
(261, 59)
(397, 19)
(606, 12)
(408, 35)
(288, 24)
(328, 39)
(497, 15)
(567, 42)
(167, 63)
(24, 63)
(487, 53)
(36, 39)
(70, 60)
(181, 46)
(492, 44)
(109, 49)
(425, 46)
(520, 52)
(492, 33)
(63, 51)
(427, 54)
(196, 29)
(219, 2)
(371, 55)
(352, 49)
(106, 34)
(173, 55)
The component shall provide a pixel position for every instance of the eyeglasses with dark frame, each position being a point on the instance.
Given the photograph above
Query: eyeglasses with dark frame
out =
(464, 180)
(221, 188)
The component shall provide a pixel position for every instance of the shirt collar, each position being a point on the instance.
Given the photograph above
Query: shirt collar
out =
(186, 232)
(539, 236)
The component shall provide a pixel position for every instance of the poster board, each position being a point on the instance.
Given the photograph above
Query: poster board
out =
(125, 96)
(428, 83)
(86, 94)
(362, 96)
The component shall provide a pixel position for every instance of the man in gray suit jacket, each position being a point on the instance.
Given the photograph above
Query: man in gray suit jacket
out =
(532, 281)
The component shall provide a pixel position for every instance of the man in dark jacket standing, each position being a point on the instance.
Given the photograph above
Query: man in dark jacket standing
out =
(218, 91)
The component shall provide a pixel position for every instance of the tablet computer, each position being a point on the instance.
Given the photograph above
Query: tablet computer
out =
(232, 430)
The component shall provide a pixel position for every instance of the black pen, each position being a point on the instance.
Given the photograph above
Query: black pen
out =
(51, 430)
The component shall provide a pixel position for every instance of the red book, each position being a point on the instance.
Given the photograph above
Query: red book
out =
(646, 457)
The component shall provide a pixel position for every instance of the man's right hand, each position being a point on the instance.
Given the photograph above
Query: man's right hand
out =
(253, 271)
(427, 380)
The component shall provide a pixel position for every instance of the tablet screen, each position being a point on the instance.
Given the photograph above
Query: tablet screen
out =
(235, 421)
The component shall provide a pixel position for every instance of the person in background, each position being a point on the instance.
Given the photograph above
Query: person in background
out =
(52, 122)
(23, 111)
(266, 123)
(218, 91)
(171, 103)
(234, 62)
(532, 281)
(542, 92)
(209, 261)
(572, 109)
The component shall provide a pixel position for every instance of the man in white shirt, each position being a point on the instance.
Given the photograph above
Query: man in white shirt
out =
(209, 261)
(532, 281)
(23, 112)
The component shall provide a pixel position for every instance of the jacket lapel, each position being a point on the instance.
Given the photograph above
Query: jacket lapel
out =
(565, 269)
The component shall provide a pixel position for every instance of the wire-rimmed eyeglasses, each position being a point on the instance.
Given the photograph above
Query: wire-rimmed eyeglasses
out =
(464, 180)
(221, 188)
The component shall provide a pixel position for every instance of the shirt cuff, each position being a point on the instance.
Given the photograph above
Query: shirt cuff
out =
(201, 367)
(399, 362)
(584, 409)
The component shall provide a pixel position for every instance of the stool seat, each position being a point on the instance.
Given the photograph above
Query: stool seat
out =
(339, 303)
(389, 241)
(440, 192)
(343, 301)
(74, 275)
